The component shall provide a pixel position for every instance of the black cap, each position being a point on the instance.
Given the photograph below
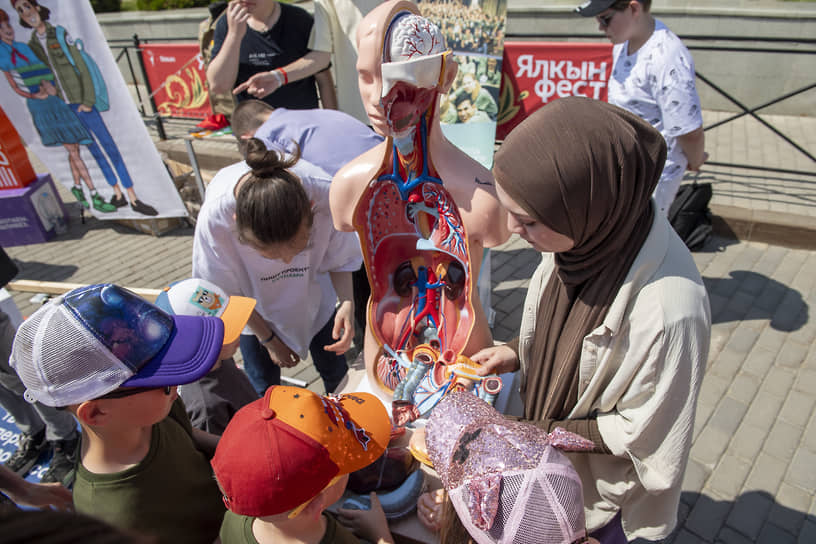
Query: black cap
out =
(591, 8)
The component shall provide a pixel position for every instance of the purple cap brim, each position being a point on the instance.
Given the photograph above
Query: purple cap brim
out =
(189, 354)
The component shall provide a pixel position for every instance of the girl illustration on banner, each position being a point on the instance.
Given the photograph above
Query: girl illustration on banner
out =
(80, 83)
(55, 122)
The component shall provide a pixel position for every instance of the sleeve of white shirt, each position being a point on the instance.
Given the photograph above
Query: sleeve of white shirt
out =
(653, 419)
(676, 93)
(343, 253)
(321, 37)
(214, 251)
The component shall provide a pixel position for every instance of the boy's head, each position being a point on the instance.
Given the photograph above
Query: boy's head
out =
(507, 480)
(281, 451)
(201, 297)
(97, 339)
(247, 118)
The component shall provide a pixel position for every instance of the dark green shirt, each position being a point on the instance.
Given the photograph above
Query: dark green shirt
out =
(75, 83)
(171, 493)
(238, 530)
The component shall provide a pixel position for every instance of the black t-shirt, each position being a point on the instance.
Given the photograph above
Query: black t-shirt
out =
(285, 42)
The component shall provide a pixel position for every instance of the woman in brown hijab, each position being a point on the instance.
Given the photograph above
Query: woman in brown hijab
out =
(616, 324)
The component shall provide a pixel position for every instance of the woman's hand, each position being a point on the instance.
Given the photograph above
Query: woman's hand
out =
(496, 360)
(429, 509)
(368, 524)
(343, 330)
(280, 353)
(260, 85)
(237, 17)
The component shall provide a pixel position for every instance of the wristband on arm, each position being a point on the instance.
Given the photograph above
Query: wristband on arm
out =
(271, 337)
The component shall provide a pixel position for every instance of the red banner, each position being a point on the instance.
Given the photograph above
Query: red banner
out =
(177, 77)
(535, 73)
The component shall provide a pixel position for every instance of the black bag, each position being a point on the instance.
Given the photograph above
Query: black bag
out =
(690, 216)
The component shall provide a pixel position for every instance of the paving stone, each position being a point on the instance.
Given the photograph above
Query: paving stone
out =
(747, 442)
(759, 360)
(766, 475)
(726, 480)
(790, 509)
(730, 536)
(694, 478)
(749, 513)
(806, 381)
(686, 537)
(742, 340)
(801, 469)
(763, 411)
(808, 532)
(709, 446)
(771, 339)
(712, 389)
(797, 408)
(771, 534)
(792, 354)
(783, 440)
(707, 517)
(744, 387)
(728, 415)
(778, 381)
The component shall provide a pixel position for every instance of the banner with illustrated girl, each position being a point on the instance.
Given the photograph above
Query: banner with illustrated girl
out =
(65, 95)
(474, 30)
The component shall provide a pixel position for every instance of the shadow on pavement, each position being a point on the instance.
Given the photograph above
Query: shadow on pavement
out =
(37, 271)
(753, 517)
(747, 295)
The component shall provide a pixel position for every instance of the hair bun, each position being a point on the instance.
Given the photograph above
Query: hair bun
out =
(266, 162)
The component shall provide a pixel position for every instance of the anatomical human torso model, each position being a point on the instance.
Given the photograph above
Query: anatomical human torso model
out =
(424, 211)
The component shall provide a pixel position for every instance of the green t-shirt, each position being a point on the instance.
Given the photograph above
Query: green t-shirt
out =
(171, 493)
(238, 530)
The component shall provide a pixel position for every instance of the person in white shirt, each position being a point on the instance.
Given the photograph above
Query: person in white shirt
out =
(265, 232)
(653, 77)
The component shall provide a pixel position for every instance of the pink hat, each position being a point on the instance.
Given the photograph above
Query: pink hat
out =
(507, 480)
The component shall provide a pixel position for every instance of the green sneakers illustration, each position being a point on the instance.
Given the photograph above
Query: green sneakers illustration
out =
(78, 194)
(100, 205)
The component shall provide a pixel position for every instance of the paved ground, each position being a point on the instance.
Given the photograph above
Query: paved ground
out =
(751, 476)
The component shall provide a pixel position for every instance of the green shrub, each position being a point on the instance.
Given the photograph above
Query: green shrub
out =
(102, 6)
(153, 5)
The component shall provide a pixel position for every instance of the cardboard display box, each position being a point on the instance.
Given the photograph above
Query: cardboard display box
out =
(32, 214)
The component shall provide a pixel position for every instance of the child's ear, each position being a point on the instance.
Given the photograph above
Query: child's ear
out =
(91, 413)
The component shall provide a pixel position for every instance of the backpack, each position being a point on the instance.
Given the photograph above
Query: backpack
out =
(690, 216)
(100, 89)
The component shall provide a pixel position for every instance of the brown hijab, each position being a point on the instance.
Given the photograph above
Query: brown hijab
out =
(587, 170)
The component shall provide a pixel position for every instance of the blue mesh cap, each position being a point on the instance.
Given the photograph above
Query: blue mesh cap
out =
(94, 339)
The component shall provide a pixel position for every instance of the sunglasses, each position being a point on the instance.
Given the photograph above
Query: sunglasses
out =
(130, 391)
(606, 19)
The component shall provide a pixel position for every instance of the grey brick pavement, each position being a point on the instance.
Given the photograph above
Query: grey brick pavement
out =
(752, 471)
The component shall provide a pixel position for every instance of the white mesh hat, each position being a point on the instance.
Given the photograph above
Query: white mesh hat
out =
(94, 339)
(507, 480)
(196, 296)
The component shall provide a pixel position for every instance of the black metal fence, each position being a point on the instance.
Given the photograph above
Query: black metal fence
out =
(792, 47)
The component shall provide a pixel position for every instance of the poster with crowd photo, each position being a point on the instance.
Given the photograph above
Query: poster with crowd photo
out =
(474, 30)
(65, 95)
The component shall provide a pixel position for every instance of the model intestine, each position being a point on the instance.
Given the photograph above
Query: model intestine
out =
(414, 241)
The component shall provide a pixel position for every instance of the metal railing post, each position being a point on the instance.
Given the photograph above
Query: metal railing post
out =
(159, 122)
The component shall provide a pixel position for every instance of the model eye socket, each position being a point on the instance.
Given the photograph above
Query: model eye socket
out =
(404, 278)
(454, 280)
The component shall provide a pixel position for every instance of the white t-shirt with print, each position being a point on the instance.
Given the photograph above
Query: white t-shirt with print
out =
(295, 299)
(657, 84)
